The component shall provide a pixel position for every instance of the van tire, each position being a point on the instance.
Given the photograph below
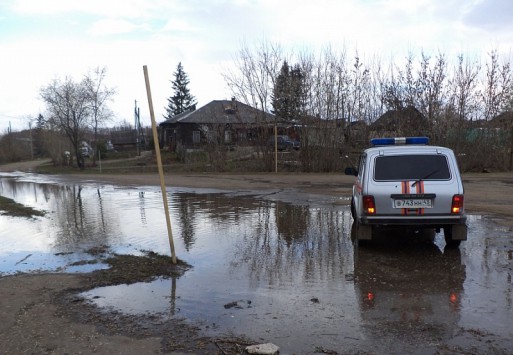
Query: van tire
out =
(353, 209)
(362, 243)
(448, 236)
(363, 233)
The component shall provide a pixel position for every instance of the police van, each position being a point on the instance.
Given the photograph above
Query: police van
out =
(407, 183)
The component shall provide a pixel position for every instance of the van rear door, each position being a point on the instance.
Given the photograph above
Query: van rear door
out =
(413, 184)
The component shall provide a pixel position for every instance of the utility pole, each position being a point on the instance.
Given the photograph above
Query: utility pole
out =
(137, 117)
(31, 142)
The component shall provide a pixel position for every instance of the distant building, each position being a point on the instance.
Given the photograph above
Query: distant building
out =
(502, 121)
(127, 139)
(400, 123)
(236, 123)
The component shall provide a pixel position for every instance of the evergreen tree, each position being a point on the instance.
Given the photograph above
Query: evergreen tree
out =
(287, 93)
(297, 93)
(38, 148)
(280, 93)
(182, 100)
(40, 122)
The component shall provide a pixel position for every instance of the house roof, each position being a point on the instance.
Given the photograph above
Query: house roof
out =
(503, 120)
(123, 137)
(392, 120)
(222, 112)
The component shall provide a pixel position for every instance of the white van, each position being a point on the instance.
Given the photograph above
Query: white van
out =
(406, 183)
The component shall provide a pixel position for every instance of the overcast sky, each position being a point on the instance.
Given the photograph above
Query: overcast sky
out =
(42, 40)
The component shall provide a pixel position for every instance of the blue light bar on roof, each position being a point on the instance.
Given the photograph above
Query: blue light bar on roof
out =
(400, 140)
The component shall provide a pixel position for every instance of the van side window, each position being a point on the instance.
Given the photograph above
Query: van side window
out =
(361, 168)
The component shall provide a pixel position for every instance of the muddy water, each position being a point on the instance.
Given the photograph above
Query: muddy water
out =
(273, 265)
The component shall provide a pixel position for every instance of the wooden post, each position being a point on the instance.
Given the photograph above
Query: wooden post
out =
(511, 150)
(159, 165)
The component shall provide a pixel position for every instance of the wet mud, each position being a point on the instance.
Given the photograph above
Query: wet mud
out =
(175, 334)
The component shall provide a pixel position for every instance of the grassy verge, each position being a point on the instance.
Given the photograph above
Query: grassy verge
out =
(116, 163)
(130, 163)
(11, 208)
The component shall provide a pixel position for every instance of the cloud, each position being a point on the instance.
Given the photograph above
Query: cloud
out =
(118, 8)
(179, 25)
(491, 15)
(111, 26)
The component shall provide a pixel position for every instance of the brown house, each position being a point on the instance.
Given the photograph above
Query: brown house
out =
(227, 122)
(399, 123)
(502, 121)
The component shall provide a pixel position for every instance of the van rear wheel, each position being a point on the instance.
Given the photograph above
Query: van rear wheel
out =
(449, 241)
(363, 234)
(353, 209)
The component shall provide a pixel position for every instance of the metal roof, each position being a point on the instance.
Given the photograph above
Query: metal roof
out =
(222, 112)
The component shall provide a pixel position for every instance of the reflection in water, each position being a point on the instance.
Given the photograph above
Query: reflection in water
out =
(295, 263)
(70, 218)
(138, 298)
(142, 208)
(294, 244)
(211, 210)
(408, 289)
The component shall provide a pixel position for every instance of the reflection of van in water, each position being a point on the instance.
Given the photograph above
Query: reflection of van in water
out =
(409, 287)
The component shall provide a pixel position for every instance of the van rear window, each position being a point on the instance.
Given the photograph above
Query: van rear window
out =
(411, 167)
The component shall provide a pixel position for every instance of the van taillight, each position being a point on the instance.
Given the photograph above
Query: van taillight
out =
(369, 207)
(457, 204)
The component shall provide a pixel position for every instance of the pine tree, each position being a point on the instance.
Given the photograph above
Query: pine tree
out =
(38, 138)
(280, 93)
(297, 93)
(40, 122)
(182, 100)
(288, 93)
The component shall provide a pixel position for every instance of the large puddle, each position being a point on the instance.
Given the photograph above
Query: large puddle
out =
(273, 265)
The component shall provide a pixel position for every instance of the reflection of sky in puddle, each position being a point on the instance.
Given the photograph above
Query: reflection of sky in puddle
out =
(277, 255)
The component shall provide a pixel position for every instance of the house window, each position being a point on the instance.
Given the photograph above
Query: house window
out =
(196, 137)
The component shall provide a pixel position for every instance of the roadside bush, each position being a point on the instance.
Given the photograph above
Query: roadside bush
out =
(14, 147)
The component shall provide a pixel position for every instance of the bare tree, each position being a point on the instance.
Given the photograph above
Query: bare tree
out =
(70, 110)
(498, 86)
(391, 88)
(327, 86)
(464, 89)
(431, 91)
(75, 106)
(375, 105)
(360, 92)
(98, 95)
(252, 80)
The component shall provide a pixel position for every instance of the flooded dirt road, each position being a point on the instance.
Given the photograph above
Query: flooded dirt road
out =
(275, 265)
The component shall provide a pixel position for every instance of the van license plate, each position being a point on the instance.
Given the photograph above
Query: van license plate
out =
(413, 203)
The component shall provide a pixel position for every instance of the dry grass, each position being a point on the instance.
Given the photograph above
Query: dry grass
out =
(11, 208)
